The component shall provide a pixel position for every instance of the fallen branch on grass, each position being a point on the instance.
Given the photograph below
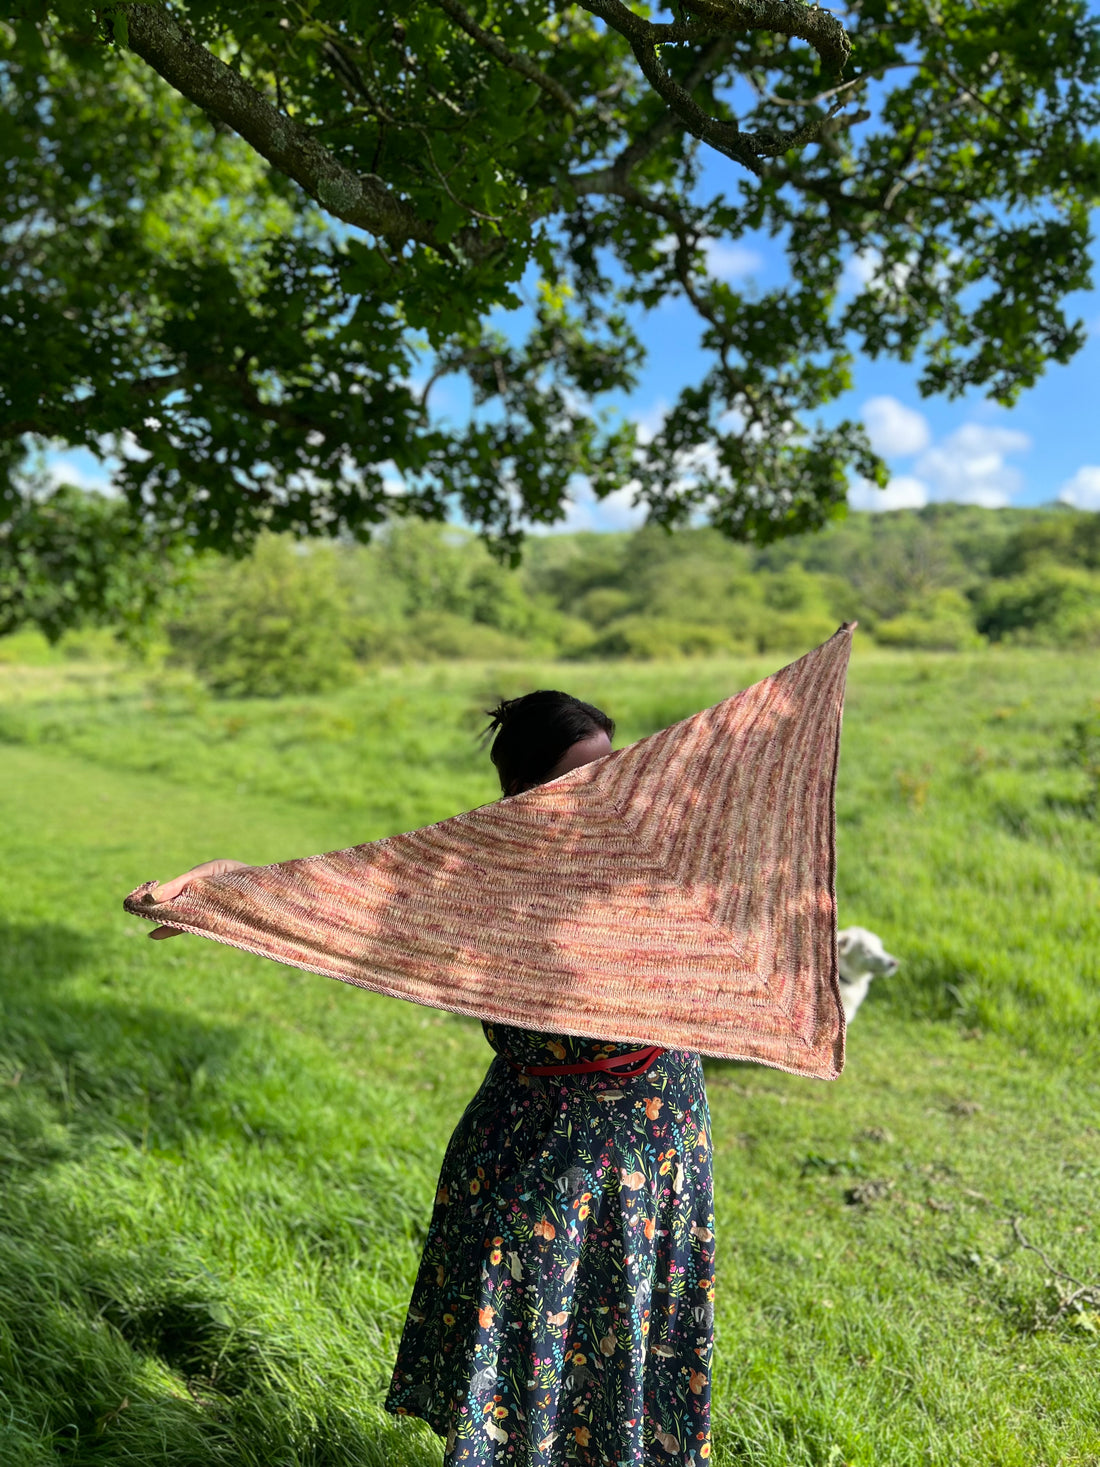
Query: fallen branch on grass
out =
(1081, 1296)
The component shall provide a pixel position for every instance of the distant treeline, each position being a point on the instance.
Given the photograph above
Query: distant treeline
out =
(947, 577)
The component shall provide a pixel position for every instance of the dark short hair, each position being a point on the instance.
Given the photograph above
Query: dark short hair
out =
(533, 732)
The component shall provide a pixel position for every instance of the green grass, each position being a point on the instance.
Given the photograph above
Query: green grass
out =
(216, 1171)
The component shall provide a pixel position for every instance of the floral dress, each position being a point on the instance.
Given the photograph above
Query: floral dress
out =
(564, 1307)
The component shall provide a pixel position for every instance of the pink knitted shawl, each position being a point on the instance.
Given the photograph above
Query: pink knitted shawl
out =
(677, 892)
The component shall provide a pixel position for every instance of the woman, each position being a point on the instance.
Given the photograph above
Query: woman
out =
(563, 1310)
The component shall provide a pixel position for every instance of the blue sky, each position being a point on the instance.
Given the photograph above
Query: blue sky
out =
(1045, 448)
(970, 450)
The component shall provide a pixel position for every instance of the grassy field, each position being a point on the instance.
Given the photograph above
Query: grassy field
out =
(216, 1171)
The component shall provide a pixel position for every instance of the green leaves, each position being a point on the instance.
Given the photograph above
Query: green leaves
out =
(167, 286)
(69, 559)
(274, 623)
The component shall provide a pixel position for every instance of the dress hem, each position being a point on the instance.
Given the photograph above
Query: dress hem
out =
(400, 1411)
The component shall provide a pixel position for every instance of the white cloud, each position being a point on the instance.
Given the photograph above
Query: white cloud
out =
(864, 268)
(650, 422)
(1083, 490)
(733, 420)
(969, 467)
(78, 469)
(692, 464)
(894, 429)
(618, 511)
(859, 270)
(586, 512)
(904, 492)
(728, 260)
(122, 445)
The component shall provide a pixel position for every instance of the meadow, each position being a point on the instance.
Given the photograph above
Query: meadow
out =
(217, 1171)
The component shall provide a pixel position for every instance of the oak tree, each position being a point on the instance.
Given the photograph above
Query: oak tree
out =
(245, 240)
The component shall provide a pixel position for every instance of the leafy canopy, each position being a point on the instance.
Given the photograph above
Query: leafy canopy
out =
(245, 242)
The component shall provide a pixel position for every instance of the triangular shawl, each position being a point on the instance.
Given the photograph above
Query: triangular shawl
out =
(677, 892)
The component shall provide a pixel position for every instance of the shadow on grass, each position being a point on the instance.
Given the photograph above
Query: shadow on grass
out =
(106, 1065)
(117, 1348)
(35, 953)
(931, 987)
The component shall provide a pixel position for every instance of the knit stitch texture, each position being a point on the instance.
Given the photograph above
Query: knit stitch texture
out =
(678, 892)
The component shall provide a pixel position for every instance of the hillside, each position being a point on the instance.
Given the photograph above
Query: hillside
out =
(303, 617)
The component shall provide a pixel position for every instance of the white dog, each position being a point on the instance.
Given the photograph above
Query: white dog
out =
(862, 957)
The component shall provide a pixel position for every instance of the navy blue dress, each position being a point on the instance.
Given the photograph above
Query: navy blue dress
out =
(564, 1307)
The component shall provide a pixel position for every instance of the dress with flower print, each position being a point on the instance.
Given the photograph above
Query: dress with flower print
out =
(563, 1312)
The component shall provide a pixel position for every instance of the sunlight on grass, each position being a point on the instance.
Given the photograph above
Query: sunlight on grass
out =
(217, 1171)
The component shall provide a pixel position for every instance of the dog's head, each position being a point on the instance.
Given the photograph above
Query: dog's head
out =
(862, 953)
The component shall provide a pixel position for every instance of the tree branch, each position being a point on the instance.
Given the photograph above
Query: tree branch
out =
(1082, 1292)
(360, 199)
(237, 380)
(640, 149)
(496, 47)
(613, 181)
(818, 27)
(69, 411)
(875, 74)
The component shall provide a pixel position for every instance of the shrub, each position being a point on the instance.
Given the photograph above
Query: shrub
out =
(646, 638)
(792, 631)
(945, 624)
(1061, 535)
(447, 635)
(272, 624)
(1053, 605)
(71, 559)
(573, 637)
(1081, 749)
(604, 605)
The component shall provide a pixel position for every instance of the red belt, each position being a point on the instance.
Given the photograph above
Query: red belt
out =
(618, 1066)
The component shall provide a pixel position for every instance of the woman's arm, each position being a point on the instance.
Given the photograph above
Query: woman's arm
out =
(169, 889)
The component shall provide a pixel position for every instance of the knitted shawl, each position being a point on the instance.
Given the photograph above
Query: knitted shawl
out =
(678, 892)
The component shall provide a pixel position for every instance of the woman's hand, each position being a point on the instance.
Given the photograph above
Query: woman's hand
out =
(169, 889)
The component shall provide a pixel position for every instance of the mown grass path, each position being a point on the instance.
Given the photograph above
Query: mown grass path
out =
(216, 1171)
